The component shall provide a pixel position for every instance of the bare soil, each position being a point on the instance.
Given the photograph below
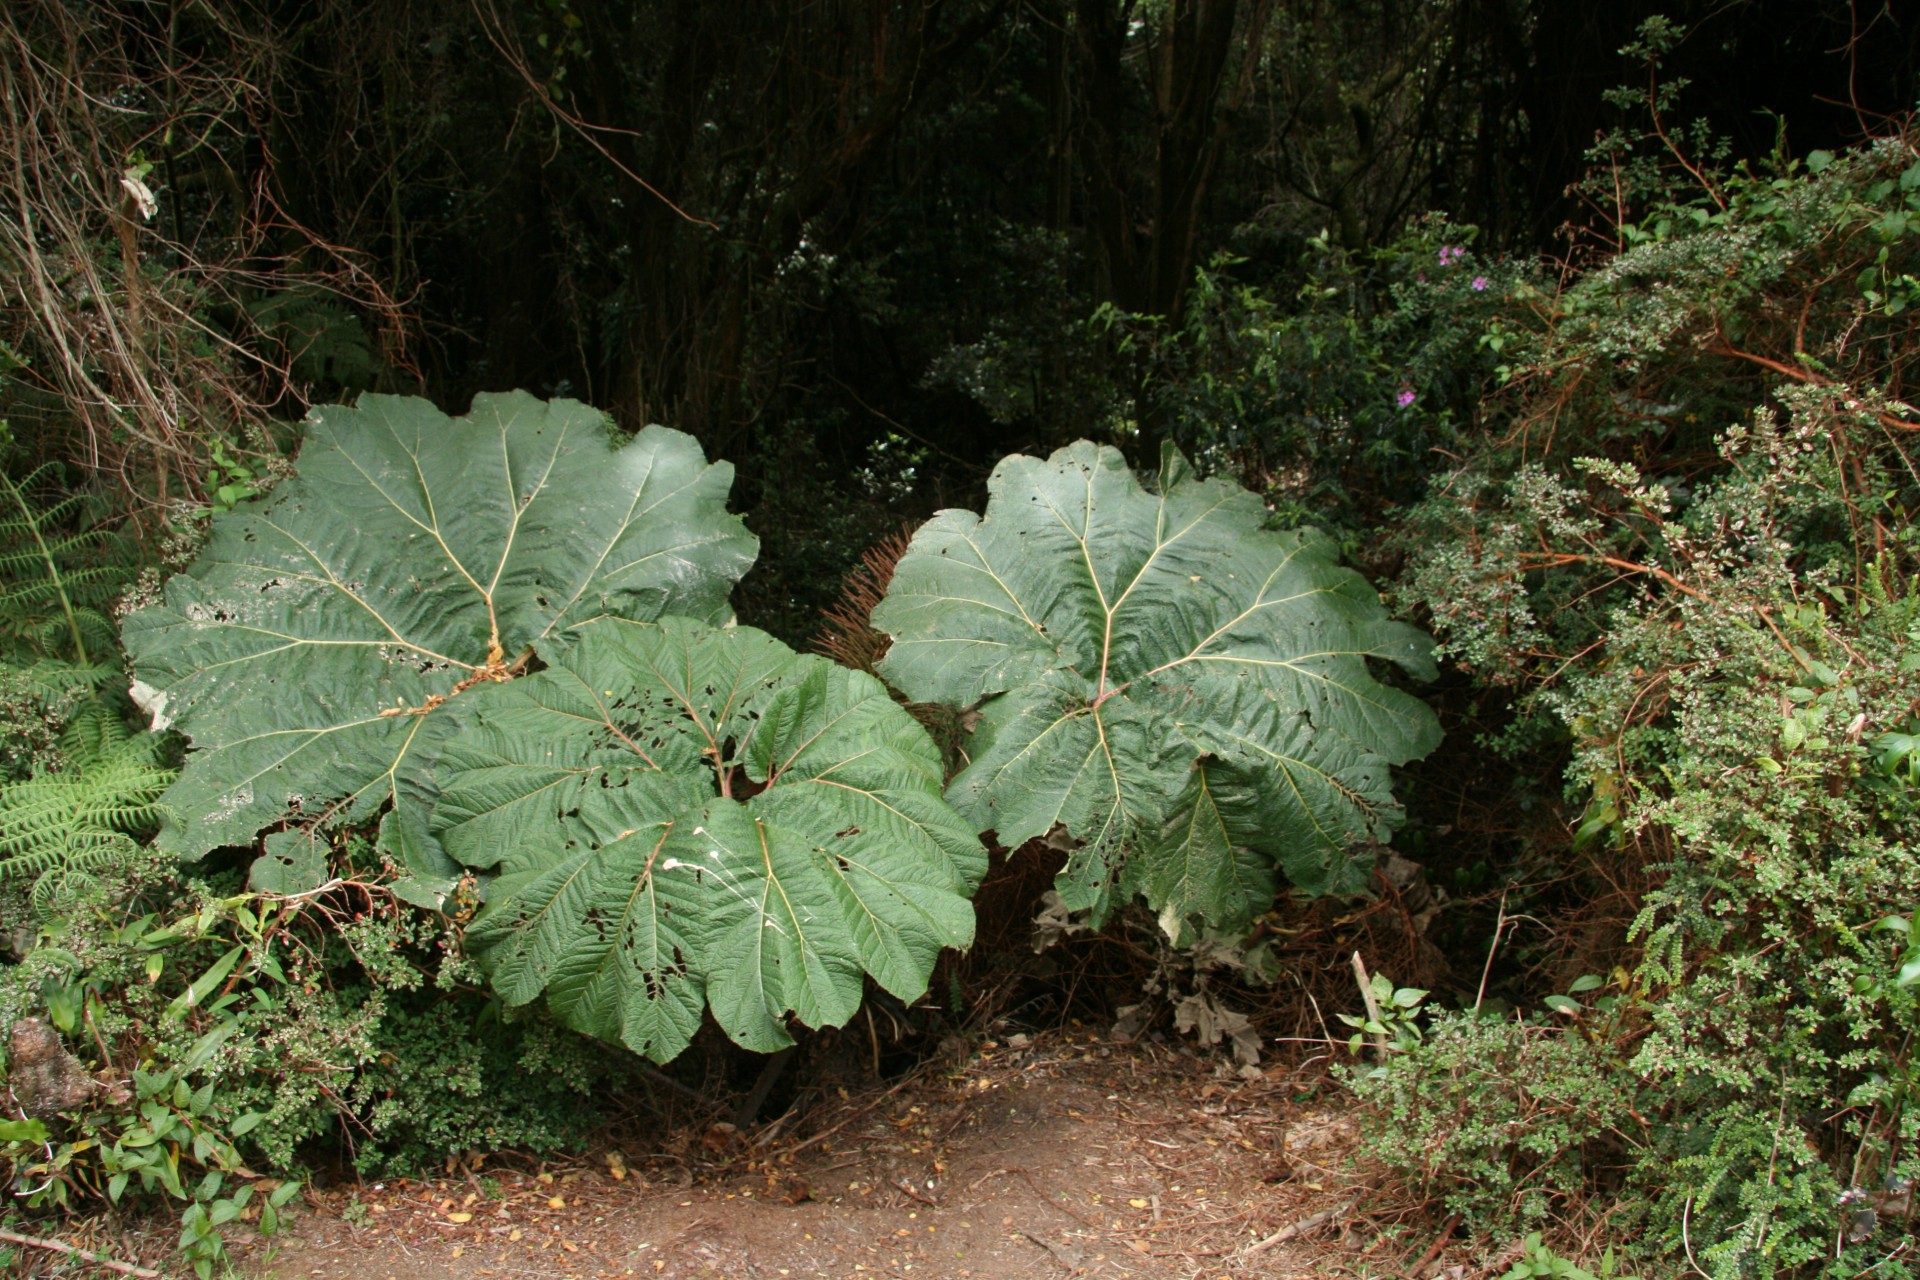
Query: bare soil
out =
(1050, 1156)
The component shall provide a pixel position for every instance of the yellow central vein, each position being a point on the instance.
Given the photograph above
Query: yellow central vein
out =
(1259, 602)
(517, 510)
(1093, 576)
(431, 529)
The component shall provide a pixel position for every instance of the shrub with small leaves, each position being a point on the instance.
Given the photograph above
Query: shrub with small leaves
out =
(1694, 551)
(1504, 1121)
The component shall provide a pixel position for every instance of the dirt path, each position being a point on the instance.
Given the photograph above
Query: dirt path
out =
(1057, 1156)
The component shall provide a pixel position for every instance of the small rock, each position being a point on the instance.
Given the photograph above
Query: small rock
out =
(46, 1079)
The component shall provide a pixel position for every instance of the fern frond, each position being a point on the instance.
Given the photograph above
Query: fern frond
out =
(17, 559)
(110, 576)
(94, 732)
(83, 851)
(62, 887)
(98, 627)
(59, 541)
(55, 564)
(126, 799)
(48, 522)
(41, 477)
(85, 816)
(96, 631)
(54, 679)
(31, 591)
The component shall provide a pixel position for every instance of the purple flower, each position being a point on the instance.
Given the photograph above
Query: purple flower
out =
(1479, 284)
(1450, 254)
(1405, 398)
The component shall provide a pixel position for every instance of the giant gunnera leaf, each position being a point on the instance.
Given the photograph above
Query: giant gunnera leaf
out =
(1181, 689)
(316, 650)
(684, 816)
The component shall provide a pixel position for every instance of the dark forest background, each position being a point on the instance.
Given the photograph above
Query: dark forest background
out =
(856, 248)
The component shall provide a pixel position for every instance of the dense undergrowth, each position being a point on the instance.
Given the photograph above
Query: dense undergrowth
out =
(1687, 551)
(1654, 505)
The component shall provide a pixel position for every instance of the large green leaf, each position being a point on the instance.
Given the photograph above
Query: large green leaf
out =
(683, 815)
(315, 651)
(1182, 690)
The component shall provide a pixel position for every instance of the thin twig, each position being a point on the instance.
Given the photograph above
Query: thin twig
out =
(902, 1185)
(1686, 1242)
(1306, 1225)
(491, 23)
(1486, 971)
(1554, 559)
(1722, 347)
(85, 1255)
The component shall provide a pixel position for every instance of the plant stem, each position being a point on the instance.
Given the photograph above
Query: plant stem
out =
(1499, 927)
(85, 1255)
(1373, 1006)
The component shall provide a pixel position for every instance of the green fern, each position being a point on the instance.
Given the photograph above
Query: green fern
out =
(61, 826)
(57, 581)
(61, 569)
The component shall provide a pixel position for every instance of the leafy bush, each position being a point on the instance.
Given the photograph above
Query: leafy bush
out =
(252, 1034)
(165, 1126)
(1330, 401)
(449, 1079)
(142, 1148)
(1503, 1121)
(1695, 550)
(1184, 692)
(383, 1045)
